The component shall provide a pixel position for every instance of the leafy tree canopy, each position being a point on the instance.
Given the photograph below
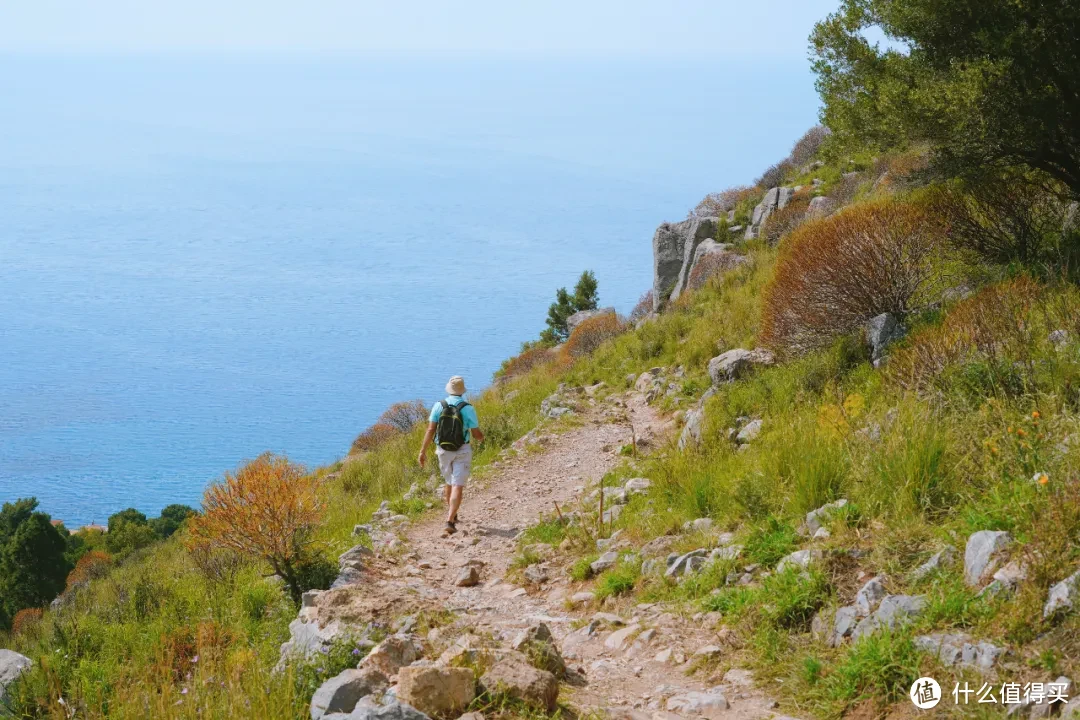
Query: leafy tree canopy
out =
(987, 82)
(172, 517)
(33, 565)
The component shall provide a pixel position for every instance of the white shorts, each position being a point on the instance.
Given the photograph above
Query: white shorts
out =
(455, 465)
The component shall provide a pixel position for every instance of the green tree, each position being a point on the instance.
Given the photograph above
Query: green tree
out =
(987, 82)
(171, 519)
(33, 567)
(129, 530)
(585, 297)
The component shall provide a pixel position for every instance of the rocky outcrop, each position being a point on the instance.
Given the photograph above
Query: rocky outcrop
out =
(674, 248)
(12, 665)
(775, 199)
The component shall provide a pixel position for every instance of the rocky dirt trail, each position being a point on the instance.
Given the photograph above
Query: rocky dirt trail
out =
(630, 662)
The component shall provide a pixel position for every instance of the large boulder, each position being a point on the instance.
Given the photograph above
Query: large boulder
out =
(341, 693)
(582, 315)
(674, 247)
(436, 690)
(983, 555)
(393, 653)
(513, 676)
(12, 665)
(733, 364)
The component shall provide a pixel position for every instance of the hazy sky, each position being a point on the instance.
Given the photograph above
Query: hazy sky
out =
(776, 28)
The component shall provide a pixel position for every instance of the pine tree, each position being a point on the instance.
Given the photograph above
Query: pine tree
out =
(585, 297)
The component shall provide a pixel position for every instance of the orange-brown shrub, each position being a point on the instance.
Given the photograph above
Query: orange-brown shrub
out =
(783, 220)
(268, 509)
(711, 265)
(373, 438)
(525, 361)
(993, 325)
(836, 273)
(404, 415)
(92, 565)
(593, 333)
(24, 620)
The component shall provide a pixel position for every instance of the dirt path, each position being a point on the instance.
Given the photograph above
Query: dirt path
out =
(625, 678)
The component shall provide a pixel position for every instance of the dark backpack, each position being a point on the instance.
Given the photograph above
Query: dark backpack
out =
(450, 430)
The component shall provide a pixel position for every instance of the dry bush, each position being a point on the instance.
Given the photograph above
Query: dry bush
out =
(183, 647)
(25, 620)
(403, 416)
(720, 203)
(806, 147)
(525, 361)
(593, 333)
(269, 510)
(836, 273)
(92, 565)
(373, 438)
(844, 192)
(1003, 218)
(216, 564)
(644, 307)
(990, 325)
(711, 265)
(784, 220)
(774, 175)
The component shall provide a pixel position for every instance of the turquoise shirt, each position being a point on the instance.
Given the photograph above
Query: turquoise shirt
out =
(468, 414)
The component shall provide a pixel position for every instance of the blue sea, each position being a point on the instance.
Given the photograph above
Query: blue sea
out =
(206, 257)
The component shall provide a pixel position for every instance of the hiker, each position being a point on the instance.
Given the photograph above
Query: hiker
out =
(452, 424)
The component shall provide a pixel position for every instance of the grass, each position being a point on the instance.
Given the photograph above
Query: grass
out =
(127, 646)
(921, 466)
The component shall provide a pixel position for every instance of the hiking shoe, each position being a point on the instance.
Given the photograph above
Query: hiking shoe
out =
(450, 528)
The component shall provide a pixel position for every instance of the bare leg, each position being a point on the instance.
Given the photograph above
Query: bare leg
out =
(455, 502)
(446, 495)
